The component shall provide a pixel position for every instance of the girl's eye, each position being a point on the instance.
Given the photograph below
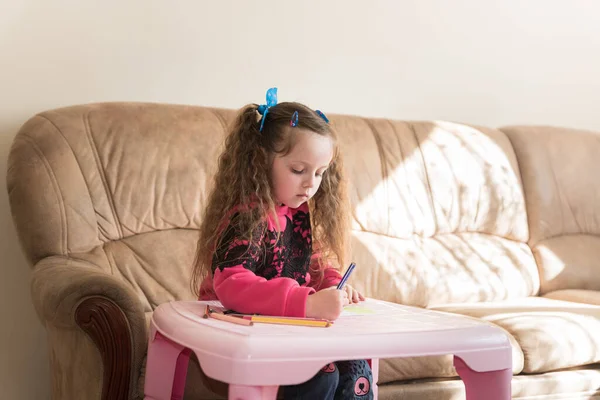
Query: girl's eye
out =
(295, 171)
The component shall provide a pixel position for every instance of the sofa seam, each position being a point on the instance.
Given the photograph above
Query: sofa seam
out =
(221, 120)
(102, 175)
(443, 234)
(559, 235)
(426, 170)
(522, 181)
(60, 132)
(382, 164)
(56, 186)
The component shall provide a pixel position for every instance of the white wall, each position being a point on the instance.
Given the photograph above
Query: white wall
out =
(479, 61)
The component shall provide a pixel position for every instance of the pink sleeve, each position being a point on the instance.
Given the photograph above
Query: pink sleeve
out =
(241, 290)
(331, 277)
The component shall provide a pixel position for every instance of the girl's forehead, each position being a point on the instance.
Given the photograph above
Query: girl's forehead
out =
(310, 147)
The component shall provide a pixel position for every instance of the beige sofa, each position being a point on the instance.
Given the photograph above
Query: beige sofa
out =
(501, 225)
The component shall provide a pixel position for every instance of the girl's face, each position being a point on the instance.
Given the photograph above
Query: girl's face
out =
(297, 175)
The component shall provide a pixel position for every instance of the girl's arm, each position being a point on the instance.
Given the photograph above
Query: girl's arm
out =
(239, 288)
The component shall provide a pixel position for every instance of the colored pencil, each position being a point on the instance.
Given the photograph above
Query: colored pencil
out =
(229, 318)
(269, 319)
(346, 276)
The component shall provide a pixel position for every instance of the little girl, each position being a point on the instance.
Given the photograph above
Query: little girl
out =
(275, 230)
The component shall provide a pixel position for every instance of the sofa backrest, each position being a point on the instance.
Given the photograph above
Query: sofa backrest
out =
(560, 170)
(438, 208)
(121, 185)
(439, 213)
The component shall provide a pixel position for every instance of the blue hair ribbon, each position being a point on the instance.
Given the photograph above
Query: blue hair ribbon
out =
(264, 108)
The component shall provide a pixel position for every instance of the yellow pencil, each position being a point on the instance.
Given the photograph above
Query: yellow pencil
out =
(265, 319)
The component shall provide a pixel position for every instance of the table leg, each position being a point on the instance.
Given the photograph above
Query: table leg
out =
(374, 363)
(166, 369)
(180, 375)
(490, 385)
(241, 392)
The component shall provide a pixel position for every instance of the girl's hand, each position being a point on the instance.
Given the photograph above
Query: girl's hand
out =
(327, 303)
(353, 295)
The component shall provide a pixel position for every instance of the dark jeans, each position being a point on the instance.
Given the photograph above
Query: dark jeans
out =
(343, 380)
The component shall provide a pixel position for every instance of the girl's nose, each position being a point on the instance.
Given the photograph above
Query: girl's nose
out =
(309, 182)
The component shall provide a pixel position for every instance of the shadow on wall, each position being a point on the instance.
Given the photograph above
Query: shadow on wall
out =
(22, 338)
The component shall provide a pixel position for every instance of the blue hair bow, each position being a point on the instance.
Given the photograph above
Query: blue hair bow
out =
(264, 108)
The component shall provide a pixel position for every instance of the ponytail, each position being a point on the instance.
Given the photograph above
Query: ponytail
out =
(246, 125)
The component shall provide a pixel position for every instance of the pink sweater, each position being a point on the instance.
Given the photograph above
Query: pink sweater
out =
(264, 278)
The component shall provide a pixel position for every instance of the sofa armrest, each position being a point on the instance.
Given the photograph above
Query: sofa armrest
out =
(69, 293)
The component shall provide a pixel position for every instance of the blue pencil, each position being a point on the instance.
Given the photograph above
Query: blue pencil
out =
(346, 276)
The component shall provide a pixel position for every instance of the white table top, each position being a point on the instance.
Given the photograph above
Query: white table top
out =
(370, 329)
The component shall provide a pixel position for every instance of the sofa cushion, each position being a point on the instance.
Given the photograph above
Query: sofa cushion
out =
(88, 174)
(561, 190)
(387, 177)
(157, 265)
(568, 262)
(474, 180)
(427, 178)
(451, 268)
(575, 295)
(574, 384)
(402, 369)
(553, 334)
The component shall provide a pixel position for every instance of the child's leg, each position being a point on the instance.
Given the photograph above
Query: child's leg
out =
(321, 386)
(356, 380)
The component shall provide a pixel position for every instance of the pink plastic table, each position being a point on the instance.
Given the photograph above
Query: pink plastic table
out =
(256, 359)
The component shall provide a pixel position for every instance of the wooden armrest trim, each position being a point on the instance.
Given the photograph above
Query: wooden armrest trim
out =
(105, 323)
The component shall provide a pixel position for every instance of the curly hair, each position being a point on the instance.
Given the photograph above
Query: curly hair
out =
(242, 179)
